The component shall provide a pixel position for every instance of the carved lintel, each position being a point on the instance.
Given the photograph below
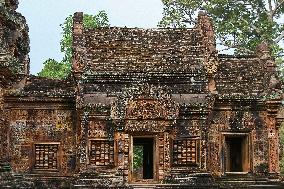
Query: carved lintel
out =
(151, 109)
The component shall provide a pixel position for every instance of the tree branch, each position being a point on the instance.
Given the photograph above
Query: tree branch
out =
(279, 37)
(270, 11)
(251, 25)
(233, 46)
(277, 6)
(270, 6)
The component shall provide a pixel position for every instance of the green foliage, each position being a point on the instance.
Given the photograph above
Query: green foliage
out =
(137, 157)
(60, 70)
(280, 64)
(54, 69)
(239, 25)
(89, 21)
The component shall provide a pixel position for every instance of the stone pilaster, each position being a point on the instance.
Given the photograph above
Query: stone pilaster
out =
(273, 136)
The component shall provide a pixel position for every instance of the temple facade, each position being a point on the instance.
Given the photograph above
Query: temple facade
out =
(142, 106)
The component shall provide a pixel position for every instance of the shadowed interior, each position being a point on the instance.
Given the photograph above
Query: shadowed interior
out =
(147, 154)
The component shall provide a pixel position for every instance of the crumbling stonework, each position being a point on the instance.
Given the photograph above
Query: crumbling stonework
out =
(200, 118)
(14, 46)
(14, 60)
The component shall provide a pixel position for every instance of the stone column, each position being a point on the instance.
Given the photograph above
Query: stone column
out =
(123, 149)
(273, 136)
(82, 140)
(2, 133)
(4, 136)
(161, 156)
(78, 46)
(273, 143)
(167, 153)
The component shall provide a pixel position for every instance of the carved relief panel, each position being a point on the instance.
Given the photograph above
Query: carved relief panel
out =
(100, 143)
(185, 152)
(32, 127)
(150, 115)
(97, 129)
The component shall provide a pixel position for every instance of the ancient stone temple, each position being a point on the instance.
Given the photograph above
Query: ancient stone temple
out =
(156, 108)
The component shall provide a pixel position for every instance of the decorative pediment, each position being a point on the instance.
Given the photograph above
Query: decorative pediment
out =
(151, 109)
(150, 115)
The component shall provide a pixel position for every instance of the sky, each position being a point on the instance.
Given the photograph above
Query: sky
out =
(45, 16)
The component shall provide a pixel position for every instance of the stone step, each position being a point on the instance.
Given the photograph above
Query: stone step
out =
(253, 187)
(250, 184)
(98, 182)
(171, 186)
(267, 186)
(83, 186)
(143, 186)
(18, 176)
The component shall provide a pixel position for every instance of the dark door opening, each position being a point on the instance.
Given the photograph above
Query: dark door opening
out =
(143, 149)
(237, 159)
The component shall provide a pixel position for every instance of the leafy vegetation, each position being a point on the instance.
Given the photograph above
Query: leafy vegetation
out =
(54, 69)
(60, 70)
(240, 25)
(137, 157)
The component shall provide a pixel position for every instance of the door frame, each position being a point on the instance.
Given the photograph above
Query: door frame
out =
(246, 136)
(155, 157)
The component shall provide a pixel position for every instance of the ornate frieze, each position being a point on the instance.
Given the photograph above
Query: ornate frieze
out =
(150, 115)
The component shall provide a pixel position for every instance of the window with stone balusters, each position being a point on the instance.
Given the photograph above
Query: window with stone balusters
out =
(101, 152)
(46, 156)
(185, 152)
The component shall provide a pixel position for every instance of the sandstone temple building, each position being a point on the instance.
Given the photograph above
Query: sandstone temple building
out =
(143, 107)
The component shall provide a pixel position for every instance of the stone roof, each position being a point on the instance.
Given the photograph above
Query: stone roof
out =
(44, 87)
(240, 76)
(116, 51)
(243, 76)
(127, 50)
(170, 56)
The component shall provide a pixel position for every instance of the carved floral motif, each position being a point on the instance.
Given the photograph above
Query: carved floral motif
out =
(150, 109)
(97, 129)
(150, 115)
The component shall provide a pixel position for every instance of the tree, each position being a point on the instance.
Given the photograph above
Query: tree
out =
(60, 70)
(54, 69)
(239, 24)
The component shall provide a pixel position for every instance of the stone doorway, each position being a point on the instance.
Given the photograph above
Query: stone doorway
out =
(237, 153)
(143, 161)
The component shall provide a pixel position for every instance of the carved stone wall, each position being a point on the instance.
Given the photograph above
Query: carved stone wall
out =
(168, 84)
(29, 127)
(4, 130)
(123, 148)
(238, 120)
